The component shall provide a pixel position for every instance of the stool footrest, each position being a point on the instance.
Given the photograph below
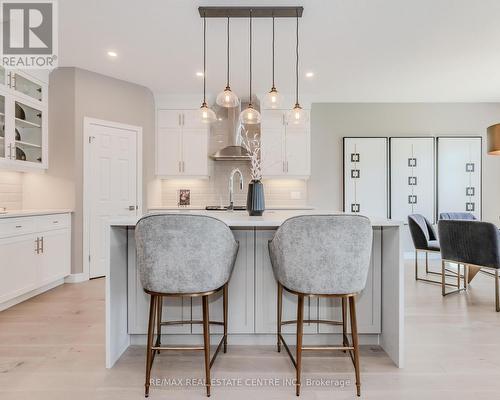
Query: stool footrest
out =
(312, 321)
(161, 348)
(164, 323)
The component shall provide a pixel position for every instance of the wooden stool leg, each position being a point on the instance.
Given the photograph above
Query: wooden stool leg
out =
(300, 329)
(280, 309)
(345, 343)
(206, 341)
(159, 309)
(497, 292)
(149, 352)
(224, 294)
(354, 333)
(416, 265)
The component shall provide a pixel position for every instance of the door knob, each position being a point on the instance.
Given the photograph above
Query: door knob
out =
(131, 208)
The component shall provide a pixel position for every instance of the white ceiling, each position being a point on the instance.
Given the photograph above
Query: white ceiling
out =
(359, 50)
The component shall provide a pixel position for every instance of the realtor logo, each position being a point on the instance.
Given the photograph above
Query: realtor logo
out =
(29, 34)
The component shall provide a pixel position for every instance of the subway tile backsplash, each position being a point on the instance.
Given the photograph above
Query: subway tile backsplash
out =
(11, 190)
(215, 190)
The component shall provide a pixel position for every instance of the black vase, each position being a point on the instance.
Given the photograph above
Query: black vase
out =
(255, 198)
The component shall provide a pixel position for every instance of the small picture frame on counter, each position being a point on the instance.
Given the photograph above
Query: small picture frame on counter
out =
(184, 198)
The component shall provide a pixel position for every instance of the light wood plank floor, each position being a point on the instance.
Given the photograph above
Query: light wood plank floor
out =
(52, 347)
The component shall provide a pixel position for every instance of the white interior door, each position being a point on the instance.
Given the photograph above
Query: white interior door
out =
(113, 185)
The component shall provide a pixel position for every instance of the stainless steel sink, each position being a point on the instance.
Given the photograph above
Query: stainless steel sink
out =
(225, 208)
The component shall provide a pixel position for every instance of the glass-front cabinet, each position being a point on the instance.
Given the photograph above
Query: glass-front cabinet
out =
(23, 122)
(3, 145)
(27, 86)
(28, 133)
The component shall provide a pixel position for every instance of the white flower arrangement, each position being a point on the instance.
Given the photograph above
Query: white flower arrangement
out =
(252, 145)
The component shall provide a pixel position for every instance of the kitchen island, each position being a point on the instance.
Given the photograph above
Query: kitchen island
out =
(252, 292)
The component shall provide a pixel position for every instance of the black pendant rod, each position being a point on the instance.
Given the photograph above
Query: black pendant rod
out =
(204, 60)
(250, 103)
(227, 86)
(273, 55)
(297, 65)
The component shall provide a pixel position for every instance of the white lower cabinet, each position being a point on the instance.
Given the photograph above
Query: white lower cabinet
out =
(35, 253)
(18, 267)
(54, 256)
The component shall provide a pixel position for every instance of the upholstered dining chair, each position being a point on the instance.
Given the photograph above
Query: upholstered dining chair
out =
(457, 215)
(184, 256)
(472, 243)
(325, 256)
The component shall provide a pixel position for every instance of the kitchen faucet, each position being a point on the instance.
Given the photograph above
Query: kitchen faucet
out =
(231, 184)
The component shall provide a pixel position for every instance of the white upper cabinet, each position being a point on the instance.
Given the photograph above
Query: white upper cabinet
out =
(412, 177)
(365, 176)
(459, 174)
(24, 120)
(181, 144)
(286, 148)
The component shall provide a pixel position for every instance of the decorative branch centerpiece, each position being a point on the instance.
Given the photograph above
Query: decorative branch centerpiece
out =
(255, 196)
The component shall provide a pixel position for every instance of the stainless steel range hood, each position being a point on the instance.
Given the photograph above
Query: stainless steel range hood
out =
(233, 130)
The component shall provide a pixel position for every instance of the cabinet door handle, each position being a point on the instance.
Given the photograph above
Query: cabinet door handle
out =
(183, 167)
(37, 242)
(9, 80)
(13, 81)
(179, 119)
(179, 166)
(41, 241)
(287, 166)
(183, 119)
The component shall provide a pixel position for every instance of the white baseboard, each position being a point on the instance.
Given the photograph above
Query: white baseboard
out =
(76, 278)
(33, 293)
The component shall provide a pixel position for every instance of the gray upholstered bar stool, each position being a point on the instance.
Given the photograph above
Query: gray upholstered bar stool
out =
(473, 244)
(326, 256)
(184, 255)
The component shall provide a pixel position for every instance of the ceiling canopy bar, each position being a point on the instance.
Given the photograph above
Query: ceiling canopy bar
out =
(244, 12)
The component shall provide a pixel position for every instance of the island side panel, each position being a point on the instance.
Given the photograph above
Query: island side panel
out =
(117, 337)
(392, 337)
(174, 308)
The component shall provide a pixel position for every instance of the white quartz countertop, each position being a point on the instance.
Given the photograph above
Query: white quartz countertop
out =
(31, 213)
(202, 208)
(241, 219)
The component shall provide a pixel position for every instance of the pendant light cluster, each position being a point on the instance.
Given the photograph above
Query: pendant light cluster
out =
(228, 98)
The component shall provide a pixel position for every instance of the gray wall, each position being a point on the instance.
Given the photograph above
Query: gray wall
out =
(75, 94)
(330, 122)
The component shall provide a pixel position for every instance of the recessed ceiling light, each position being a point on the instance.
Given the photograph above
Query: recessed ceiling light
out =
(112, 54)
(309, 74)
(200, 74)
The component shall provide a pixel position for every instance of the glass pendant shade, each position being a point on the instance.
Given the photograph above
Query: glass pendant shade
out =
(227, 98)
(207, 115)
(250, 116)
(273, 98)
(297, 115)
